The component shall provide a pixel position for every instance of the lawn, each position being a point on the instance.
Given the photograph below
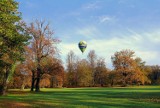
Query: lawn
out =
(128, 97)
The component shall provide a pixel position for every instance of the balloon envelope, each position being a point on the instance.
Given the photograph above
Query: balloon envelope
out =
(82, 45)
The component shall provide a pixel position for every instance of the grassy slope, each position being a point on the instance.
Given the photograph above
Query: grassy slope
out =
(131, 97)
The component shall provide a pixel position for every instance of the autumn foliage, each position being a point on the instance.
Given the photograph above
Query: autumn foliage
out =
(128, 70)
(29, 58)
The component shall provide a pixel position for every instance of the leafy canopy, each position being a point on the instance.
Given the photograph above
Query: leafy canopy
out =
(13, 36)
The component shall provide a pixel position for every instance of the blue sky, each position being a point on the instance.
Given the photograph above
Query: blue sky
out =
(106, 25)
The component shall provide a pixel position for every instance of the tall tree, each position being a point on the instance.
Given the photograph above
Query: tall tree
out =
(71, 69)
(13, 38)
(92, 58)
(42, 45)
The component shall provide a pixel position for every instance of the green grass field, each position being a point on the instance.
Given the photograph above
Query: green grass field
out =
(129, 97)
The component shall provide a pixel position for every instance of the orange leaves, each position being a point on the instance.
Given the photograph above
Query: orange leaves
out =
(128, 67)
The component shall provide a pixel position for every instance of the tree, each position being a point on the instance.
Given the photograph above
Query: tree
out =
(92, 57)
(45, 81)
(112, 78)
(154, 75)
(83, 73)
(101, 72)
(144, 69)
(13, 38)
(53, 68)
(71, 69)
(43, 45)
(21, 77)
(128, 69)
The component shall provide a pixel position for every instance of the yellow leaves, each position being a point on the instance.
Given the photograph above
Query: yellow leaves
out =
(129, 67)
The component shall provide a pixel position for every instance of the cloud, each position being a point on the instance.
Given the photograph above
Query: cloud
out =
(134, 41)
(106, 19)
(107, 48)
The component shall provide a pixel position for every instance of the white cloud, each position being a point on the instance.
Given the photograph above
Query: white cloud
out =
(103, 19)
(66, 47)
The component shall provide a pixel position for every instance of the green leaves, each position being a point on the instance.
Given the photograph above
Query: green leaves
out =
(12, 32)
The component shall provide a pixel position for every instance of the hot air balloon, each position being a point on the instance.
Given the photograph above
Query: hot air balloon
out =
(82, 46)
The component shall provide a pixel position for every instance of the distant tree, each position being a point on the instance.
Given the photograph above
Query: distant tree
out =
(43, 45)
(53, 67)
(147, 73)
(126, 66)
(71, 69)
(45, 81)
(112, 78)
(13, 38)
(83, 73)
(101, 72)
(21, 77)
(154, 75)
(144, 69)
(92, 58)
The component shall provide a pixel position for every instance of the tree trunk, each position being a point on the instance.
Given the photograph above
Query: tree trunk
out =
(38, 70)
(37, 84)
(32, 86)
(3, 87)
(33, 81)
(38, 80)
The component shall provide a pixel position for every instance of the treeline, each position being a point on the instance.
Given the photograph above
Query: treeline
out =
(92, 72)
(89, 72)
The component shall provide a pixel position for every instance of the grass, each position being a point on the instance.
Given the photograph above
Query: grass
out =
(128, 97)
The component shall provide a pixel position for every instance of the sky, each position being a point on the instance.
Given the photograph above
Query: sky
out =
(106, 25)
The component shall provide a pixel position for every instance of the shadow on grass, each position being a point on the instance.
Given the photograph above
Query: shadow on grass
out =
(87, 97)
